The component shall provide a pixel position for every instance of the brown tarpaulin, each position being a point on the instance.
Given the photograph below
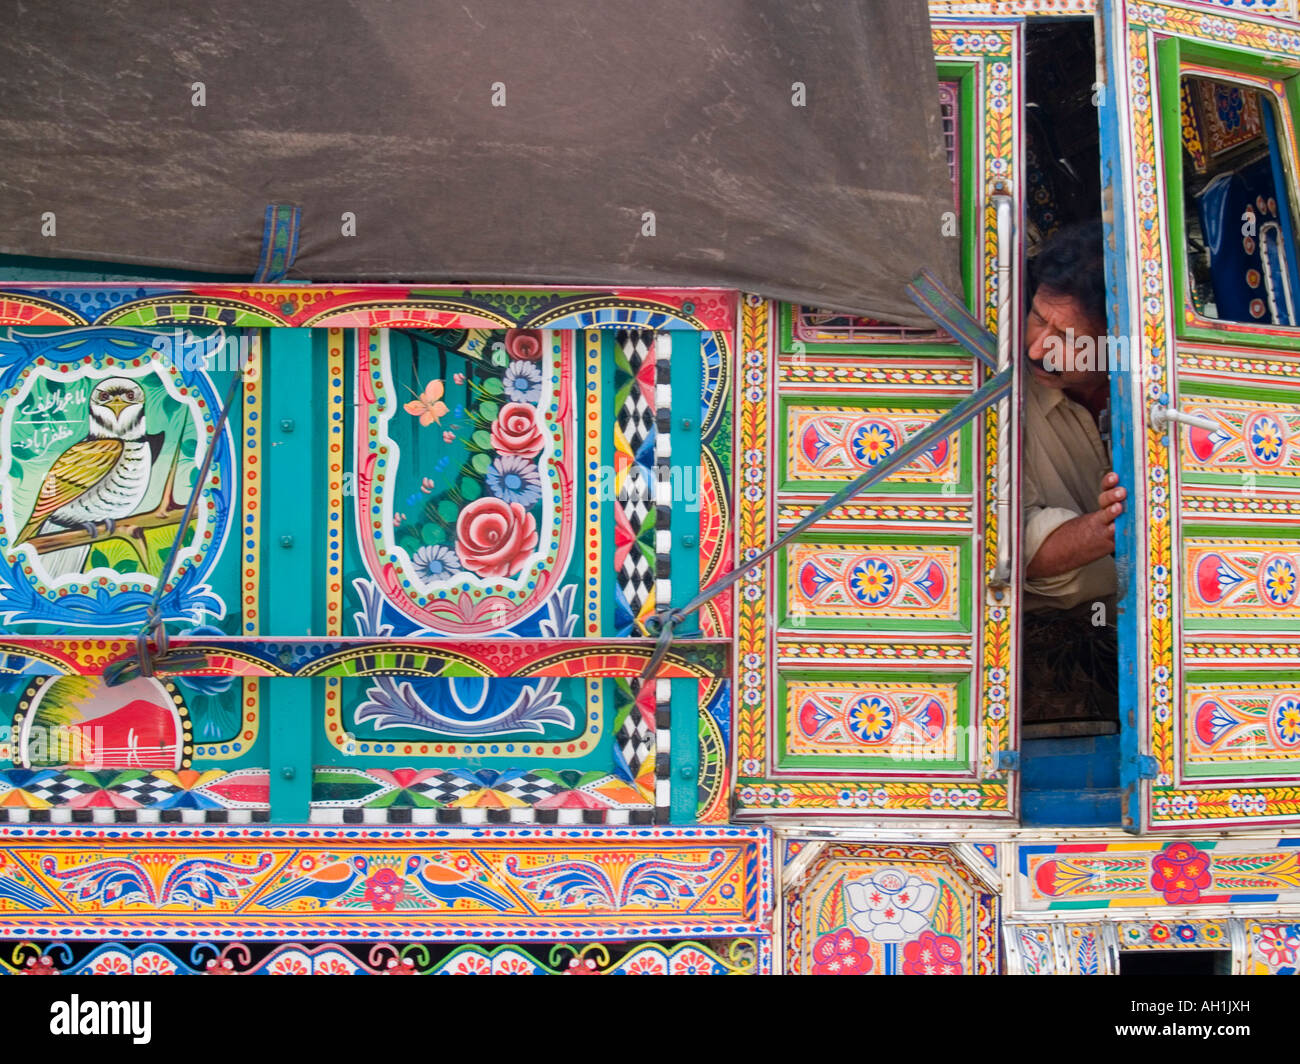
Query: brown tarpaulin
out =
(615, 113)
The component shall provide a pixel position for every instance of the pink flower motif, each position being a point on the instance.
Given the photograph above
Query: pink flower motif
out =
(154, 964)
(841, 953)
(932, 954)
(459, 378)
(495, 538)
(384, 890)
(1180, 871)
(448, 437)
(111, 964)
(524, 344)
(690, 962)
(398, 519)
(426, 485)
(648, 963)
(516, 431)
(1280, 944)
(469, 964)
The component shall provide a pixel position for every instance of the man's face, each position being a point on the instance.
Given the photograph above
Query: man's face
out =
(1059, 331)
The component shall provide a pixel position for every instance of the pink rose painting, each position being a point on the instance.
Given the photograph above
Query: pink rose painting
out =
(517, 432)
(524, 344)
(495, 538)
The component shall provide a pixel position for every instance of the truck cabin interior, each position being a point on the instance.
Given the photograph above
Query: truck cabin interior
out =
(1070, 748)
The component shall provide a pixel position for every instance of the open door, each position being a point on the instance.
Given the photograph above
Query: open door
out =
(875, 650)
(1199, 158)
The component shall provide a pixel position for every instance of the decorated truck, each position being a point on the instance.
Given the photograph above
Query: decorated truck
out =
(667, 625)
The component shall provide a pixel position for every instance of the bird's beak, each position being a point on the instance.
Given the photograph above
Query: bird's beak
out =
(118, 405)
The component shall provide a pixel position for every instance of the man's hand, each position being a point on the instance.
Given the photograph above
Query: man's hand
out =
(1083, 539)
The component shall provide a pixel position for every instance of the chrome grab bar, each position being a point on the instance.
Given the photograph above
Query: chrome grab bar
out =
(1000, 576)
(1160, 416)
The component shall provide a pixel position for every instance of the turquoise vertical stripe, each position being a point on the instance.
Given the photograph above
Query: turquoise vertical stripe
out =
(687, 380)
(683, 780)
(292, 483)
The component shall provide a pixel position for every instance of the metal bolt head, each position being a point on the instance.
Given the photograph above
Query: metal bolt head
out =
(286, 542)
(287, 772)
(686, 772)
(286, 424)
(688, 541)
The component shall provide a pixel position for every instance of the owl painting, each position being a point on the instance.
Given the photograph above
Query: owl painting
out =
(99, 480)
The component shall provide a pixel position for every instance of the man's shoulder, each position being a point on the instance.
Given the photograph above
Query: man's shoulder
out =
(1041, 399)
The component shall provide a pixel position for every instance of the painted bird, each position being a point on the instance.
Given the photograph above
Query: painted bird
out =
(324, 884)
(449, 883)
(101, 479)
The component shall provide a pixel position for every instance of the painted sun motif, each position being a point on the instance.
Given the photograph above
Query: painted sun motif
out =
(871, 719)
(1266, 440)
(873, 442)
(872, 581)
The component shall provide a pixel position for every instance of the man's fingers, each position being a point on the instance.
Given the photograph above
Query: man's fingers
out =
(1115, 496)
(1107, 514)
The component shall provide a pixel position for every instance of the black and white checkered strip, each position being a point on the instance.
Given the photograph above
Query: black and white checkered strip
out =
(636, 421)
(134, 816)
(476, 817)
(663, 470)
(663, 749)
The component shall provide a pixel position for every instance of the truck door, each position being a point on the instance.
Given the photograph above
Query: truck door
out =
(1199, 153)
(875, 652)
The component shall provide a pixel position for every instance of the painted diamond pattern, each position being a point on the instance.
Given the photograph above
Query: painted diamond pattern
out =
(149, 791)
(634, 440)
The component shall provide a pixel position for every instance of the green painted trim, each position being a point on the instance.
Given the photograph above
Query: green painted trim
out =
(965, 579)
(1280, 394)
(684, 753)
(292, 586)
(870, 402)
(963, 762)
(1171, 54)
(1241, 536)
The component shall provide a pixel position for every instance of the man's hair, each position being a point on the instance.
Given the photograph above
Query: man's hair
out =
(1073, 263)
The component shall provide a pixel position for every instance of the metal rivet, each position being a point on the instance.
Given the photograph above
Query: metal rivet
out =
(286, 424)
(286, 541)
(287, 772)
(686, 772)
(688, 541)
(686, 424)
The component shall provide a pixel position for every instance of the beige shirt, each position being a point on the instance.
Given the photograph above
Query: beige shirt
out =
(1064, 461)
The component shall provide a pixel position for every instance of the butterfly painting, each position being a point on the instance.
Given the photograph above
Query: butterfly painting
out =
(428, 406)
